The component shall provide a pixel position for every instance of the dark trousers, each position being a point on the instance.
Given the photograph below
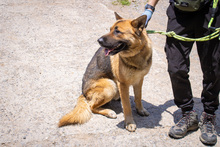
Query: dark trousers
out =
(193, 25)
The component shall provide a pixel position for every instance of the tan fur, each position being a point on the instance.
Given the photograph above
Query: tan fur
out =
(128, 68)
(80, 114)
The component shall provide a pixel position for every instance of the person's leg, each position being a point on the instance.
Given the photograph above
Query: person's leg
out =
(209, 54)
(178, 67)
(178, 56)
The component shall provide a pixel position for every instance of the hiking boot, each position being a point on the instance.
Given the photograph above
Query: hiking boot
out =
(188, 122)
(207, 127)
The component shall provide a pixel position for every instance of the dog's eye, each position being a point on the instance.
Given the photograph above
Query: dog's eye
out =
(116, 31)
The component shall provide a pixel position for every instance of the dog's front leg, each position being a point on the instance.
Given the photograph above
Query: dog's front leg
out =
(124, 93)
(138, 94)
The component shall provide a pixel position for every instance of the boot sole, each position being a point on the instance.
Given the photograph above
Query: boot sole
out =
(206, 142)
(194, 128)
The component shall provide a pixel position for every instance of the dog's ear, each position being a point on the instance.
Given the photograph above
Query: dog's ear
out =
(139, 24)
(117, 16)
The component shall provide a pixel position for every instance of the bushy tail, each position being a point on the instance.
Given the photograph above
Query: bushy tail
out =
(80, 114)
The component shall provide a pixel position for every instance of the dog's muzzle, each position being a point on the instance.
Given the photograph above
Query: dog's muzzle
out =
(101, 41)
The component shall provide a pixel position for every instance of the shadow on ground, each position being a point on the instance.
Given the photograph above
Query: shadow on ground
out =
(142, 122)
(155, 116)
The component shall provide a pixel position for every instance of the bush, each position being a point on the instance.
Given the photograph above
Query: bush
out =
(123, 2)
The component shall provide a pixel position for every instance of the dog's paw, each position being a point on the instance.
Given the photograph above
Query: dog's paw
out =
(143, 112)
(130, 124)
(130, 127)
(112, 114)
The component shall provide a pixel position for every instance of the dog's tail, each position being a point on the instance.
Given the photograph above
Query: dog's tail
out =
(80, 114)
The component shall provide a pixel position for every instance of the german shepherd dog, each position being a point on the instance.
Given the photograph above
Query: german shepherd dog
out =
(124, 58)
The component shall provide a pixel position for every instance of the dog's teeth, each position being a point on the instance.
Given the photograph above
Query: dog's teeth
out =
(118, 45)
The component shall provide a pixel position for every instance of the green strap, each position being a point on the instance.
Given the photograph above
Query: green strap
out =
(174, 35)
(214, 6)
(205, 38)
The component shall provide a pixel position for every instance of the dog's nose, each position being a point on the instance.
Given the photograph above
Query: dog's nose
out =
(101, 40)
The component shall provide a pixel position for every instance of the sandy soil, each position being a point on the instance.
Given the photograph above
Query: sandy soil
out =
(45, 47)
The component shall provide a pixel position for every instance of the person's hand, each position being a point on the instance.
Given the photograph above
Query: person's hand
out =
(149, 13)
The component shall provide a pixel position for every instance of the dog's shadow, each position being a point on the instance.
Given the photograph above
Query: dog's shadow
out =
(155, 116)
(150, 121)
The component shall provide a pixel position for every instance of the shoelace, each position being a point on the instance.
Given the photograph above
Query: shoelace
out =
(209, 127)
(183, 120)
(209, 123)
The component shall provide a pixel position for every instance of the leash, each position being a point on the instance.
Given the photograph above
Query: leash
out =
(174, 35)
(215, 34)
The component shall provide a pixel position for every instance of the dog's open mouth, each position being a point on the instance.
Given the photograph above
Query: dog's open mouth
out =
(115, 50)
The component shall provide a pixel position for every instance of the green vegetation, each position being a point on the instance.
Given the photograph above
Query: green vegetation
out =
(123, 2)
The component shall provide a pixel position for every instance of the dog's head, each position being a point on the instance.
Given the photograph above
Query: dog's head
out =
(125, 36)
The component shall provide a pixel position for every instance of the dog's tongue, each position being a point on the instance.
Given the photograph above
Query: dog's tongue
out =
(107, 51)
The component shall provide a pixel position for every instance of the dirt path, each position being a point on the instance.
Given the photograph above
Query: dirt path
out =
(45, 47)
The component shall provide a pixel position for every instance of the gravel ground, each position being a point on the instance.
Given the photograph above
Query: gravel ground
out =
(45, 47)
